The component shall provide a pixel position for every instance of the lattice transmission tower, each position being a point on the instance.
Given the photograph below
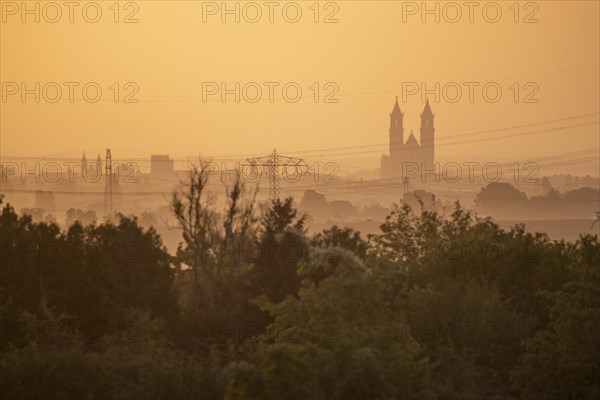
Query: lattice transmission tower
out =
(273, 162)
(108, 198)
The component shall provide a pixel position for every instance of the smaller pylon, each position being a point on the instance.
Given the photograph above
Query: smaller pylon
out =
(108, 204)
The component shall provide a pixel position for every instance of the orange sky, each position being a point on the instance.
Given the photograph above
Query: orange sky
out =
(369, 54)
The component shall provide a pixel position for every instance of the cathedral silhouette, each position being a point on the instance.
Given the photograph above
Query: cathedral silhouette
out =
(420, 155)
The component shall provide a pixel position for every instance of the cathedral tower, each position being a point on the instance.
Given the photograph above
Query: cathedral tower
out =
(396, 130)
(427, 135)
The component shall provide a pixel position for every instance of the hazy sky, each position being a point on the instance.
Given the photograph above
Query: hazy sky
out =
(371, 53)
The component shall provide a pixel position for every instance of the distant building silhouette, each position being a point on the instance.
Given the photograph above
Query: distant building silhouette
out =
(410, 151)
(83, 164)
(99, 164)
(161, 167)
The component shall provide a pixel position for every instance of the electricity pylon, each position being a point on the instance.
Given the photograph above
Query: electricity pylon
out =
(108, 203)
(273, 161)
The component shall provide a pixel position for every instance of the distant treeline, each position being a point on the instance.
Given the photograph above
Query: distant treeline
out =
(504, 201)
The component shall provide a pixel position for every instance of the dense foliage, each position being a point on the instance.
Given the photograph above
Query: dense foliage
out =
(251, 307)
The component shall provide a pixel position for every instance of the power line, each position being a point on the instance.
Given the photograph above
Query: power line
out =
(317, 151)
(344, 187)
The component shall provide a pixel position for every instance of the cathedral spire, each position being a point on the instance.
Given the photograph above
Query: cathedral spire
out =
(428, 135)
(83, 165)
(427, 110)
(396, 109)
(396, 129)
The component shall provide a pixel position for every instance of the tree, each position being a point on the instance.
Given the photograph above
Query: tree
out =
(93, 274)
(583, 202)
(36, 214)
(501, 200)
(281, 245)
(340, 338)
(196, 219)
(83, 217)
(470, 334)
(561, 360)
(315, 205)
(470, 290)
(281, 216)
(596, 219)
(137, 362)
(344, 238)
(148, 219)
(583, 194)
(214, 251)
(444, 307)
